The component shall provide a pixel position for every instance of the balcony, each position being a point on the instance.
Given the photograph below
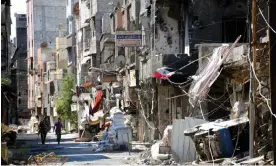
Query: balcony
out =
(71, 41)
(51, 65)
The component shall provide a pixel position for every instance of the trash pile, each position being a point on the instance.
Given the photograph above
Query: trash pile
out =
(19, 129)
(49, 159)
(8, 135)
(117, 136)
(146, 158)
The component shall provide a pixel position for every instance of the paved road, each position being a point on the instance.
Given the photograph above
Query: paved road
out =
(78, 153)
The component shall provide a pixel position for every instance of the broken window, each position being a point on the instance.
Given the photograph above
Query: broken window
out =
(232, 28)
(87, 37)
(32, 64)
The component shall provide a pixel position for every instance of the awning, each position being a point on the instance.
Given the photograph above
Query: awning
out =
(94, 122)
(85, 59)
(88, 84)
(97, 105)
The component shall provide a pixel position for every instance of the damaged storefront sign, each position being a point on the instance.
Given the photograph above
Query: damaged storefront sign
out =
(128, 38)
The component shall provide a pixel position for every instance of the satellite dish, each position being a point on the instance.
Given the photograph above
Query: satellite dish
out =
(120, 61)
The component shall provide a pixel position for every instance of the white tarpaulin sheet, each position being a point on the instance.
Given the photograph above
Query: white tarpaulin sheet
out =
(205, 78)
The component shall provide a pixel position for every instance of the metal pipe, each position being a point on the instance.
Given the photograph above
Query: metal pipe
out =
(252, 81)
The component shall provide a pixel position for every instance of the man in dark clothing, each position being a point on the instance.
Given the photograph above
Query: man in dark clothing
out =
(58, 126)
(43, 129)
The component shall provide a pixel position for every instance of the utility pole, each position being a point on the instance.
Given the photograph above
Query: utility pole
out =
(272, 60)
(252, 80)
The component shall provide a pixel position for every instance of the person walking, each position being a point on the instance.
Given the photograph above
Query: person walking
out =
(58, 127)
(43, 129)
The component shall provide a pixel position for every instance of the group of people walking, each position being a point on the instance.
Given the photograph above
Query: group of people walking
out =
(44, 127)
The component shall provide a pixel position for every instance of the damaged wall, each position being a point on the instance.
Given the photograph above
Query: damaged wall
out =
(171, 105)
(167, 39)
(167, 35)
(217, 21)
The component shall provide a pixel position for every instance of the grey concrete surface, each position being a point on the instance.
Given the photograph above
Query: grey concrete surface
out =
(77, 153)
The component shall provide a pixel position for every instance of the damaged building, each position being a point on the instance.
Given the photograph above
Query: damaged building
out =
(176, 47)
(159, 61)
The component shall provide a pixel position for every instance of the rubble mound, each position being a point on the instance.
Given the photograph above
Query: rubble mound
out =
(145, 158)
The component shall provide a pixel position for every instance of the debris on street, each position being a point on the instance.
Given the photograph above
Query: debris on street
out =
(8, 135)
(116, 135)
(217, 139)
(186, 82)
(146, 158)
(49, 159)
(159, 153)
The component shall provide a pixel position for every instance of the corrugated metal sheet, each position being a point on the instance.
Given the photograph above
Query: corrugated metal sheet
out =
(183, 149)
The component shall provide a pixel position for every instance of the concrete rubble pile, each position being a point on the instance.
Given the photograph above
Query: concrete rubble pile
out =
(160, 152)
(118, 135)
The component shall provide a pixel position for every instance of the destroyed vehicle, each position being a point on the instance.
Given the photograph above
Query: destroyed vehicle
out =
(220, 139)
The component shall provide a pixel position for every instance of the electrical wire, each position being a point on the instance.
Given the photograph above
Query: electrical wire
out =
(260, 85)
(201, 111)
(217, 98)
(143, 112)
(266, 20)
(215, 109)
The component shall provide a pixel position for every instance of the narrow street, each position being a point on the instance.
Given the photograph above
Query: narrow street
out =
(138, 82)
(77, 153)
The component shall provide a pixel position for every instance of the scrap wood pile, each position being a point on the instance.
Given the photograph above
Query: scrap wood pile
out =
(49, 159)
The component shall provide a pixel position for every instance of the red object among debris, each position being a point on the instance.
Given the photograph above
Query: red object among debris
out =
(97, 104)
(163, 73)
(107, 124)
